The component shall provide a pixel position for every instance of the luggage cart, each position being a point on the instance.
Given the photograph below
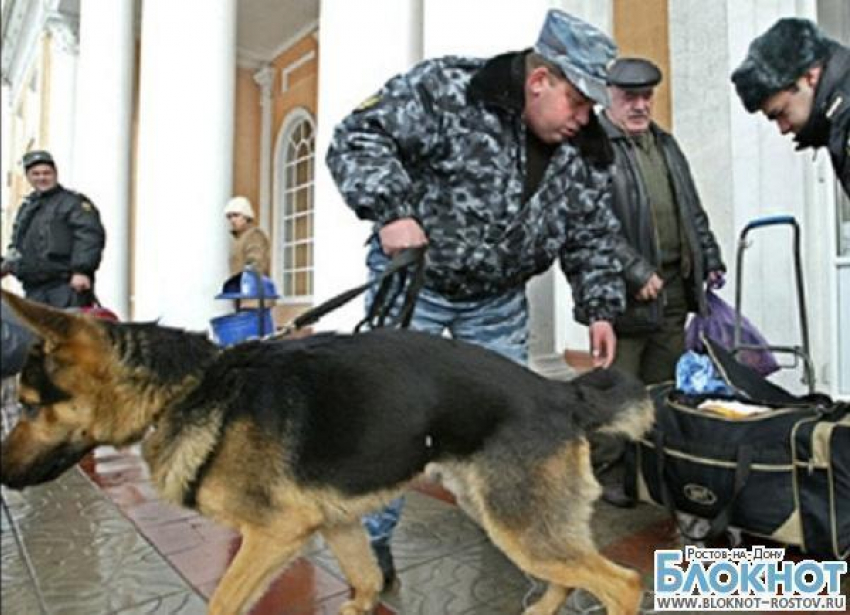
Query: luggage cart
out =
(245, 324)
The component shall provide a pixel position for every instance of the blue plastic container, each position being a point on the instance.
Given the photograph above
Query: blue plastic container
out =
(240, 326)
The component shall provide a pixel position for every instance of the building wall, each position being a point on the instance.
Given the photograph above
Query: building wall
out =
(641, 29)
(295, 87)
(29, 129)
(246, 138)
(296, 80)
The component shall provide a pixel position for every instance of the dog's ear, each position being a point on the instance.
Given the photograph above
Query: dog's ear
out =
(47, 322)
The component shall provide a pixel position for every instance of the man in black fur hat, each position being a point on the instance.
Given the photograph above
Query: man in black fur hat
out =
(800, 79)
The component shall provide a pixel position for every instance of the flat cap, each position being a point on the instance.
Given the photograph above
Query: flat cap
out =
(581, 52)
(634, 74)
(35, 157)
(777, 58)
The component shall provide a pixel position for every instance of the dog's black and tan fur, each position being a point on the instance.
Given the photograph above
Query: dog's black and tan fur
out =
(284, 439)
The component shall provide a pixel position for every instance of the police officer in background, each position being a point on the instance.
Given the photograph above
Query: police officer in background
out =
(57, 239)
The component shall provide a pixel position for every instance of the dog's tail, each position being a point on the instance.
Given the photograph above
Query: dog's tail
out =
(611, 401)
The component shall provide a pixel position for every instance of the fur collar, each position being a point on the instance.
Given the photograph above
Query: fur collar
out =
(500, 82)
(831, 100)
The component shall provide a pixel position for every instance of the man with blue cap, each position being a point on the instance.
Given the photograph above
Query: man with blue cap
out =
(500, 167)
(800, 79)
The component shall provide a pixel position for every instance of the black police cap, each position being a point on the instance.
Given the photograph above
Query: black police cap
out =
(38, 156)
(633, 74)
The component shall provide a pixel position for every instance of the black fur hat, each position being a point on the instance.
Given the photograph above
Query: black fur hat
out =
(777, 58)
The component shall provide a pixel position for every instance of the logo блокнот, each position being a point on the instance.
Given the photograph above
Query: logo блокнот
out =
(741, 579)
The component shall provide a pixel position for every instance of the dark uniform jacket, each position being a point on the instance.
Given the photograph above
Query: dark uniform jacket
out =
(57, 233)
(829, 122)
(445, 144)
(639, 252)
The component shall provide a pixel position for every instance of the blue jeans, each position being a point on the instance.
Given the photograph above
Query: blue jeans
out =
(498, 323)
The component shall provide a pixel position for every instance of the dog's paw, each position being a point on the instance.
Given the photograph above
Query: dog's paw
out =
(352, 608)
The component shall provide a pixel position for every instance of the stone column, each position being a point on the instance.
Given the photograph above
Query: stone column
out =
(64, 32)
(6, 162)
(185, 159)
(101, 168)
(264, 78)
(359, 53)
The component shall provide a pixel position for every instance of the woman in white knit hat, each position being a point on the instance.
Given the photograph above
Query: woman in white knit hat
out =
(250, 244)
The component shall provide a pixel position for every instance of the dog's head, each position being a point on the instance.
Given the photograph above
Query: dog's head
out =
(87, 382)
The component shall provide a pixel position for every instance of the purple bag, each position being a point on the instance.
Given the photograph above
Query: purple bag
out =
(719, 325)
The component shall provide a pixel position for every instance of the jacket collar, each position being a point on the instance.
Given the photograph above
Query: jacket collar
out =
(614, 132)
(500, 82)
(35, 194)
(832, 98)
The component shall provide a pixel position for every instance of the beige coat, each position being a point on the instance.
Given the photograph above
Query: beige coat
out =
(250, 248)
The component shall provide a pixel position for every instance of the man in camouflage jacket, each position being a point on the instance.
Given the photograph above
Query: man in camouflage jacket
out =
(500, 167)
(483, 161)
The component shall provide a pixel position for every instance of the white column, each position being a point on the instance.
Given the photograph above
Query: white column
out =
(102, 135)
(359, 53)
(185, 159)
(264, 78)
(62, 103)
(6, 163)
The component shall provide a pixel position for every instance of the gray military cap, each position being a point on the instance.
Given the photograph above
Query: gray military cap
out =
(35, 157)
(634, 74)
(581, 52)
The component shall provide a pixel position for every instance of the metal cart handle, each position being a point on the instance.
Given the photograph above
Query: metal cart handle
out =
(768, 221)
(802, 351)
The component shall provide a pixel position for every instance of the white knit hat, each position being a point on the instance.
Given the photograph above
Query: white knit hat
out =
(239, 205)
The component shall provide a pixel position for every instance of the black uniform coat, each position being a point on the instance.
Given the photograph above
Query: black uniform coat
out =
(829, 123)
(57, 233)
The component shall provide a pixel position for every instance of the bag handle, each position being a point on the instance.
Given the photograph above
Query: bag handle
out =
(720, 523)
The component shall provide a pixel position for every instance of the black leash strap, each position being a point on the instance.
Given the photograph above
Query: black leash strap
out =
(390, 289)
(395, 275)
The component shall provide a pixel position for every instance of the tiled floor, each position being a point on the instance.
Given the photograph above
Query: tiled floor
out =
(98, 540)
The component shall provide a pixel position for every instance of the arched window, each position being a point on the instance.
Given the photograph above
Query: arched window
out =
(293, 220)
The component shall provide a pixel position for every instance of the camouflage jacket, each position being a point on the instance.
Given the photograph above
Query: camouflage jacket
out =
(445, 144)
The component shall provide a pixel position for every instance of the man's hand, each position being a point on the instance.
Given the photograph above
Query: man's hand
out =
(716, 279)
(80, 282)
(651, 289)
(603, 343)
(401, 234)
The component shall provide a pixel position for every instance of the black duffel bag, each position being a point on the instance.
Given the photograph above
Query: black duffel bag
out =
(782, 474)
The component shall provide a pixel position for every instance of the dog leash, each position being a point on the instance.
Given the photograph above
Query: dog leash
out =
(392, 281)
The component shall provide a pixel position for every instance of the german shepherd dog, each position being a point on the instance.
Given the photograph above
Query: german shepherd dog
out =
(283, 439)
